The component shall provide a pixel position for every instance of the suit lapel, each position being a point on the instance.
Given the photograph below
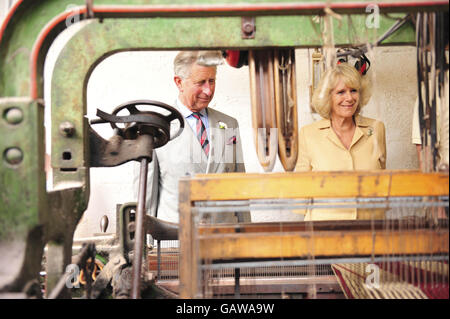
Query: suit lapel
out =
(334, 139)
(359, 132)
(361, 128)
(331, 135)
(357, 136)
(217, 142)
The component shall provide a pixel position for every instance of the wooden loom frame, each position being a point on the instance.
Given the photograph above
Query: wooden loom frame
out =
(238, 186)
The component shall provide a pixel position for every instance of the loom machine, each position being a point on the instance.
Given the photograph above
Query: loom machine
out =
(402, 255)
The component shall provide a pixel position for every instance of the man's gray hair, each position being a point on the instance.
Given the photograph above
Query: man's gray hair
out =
(185, 59)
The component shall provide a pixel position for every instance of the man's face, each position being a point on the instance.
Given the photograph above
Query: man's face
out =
(198, 90)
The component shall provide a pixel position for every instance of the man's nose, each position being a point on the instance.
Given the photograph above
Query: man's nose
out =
(207, 88)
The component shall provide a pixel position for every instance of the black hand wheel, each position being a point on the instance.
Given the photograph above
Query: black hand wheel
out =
(155, 121)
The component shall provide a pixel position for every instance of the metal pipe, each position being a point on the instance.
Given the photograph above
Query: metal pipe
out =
(110, 11)
(327, 261)
(259, 8)
(315, 205)
(158, 252)
(289, 201)
(139, 232)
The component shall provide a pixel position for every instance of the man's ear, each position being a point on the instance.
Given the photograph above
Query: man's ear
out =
(178, 81)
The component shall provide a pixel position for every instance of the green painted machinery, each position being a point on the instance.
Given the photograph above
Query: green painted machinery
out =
(32, 217)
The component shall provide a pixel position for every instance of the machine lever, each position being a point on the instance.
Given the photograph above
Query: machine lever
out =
(139, 235)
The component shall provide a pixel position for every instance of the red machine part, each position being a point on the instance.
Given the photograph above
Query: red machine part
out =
(236, 58)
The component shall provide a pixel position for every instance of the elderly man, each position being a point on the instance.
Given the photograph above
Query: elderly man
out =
(209, 143)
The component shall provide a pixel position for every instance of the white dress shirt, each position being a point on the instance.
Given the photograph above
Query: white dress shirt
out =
(191, 120)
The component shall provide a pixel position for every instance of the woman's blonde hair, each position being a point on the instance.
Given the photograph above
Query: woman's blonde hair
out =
(321, 99)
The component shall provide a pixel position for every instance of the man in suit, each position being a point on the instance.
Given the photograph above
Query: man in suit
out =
(209, 143)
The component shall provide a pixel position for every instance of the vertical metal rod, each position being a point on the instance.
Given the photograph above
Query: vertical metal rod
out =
(261, 94)
(237, 271)
(237, 287)
(139, 232)
(263, 106)
(283, 66)
(158, 252)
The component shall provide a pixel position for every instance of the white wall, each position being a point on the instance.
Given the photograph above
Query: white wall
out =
(148, 75)
(4, 6)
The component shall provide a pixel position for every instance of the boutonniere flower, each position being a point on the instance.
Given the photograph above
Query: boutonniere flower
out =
(231, 140)
(222, 125)
(370, 131)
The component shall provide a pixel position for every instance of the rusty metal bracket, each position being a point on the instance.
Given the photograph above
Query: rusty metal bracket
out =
(126, 228)
(248, 27)
(118, 150)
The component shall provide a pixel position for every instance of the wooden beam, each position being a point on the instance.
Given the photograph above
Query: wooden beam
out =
(322, 225)
(188, 260)
(239, 186)
(324, 244)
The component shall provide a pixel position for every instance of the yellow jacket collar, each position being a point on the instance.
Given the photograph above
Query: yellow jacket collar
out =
(360, 121)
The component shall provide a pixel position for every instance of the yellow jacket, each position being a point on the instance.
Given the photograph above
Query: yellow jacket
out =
(321, 150)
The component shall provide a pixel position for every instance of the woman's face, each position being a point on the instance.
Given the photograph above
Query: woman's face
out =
(344, 100)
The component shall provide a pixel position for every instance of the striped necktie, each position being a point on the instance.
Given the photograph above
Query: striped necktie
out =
(201, 133)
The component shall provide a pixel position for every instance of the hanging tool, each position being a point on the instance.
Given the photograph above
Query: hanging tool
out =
(286, 107)
(427, 70)
(263, 106)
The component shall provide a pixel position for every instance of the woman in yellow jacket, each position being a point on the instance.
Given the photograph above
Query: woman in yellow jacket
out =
(343, 140)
